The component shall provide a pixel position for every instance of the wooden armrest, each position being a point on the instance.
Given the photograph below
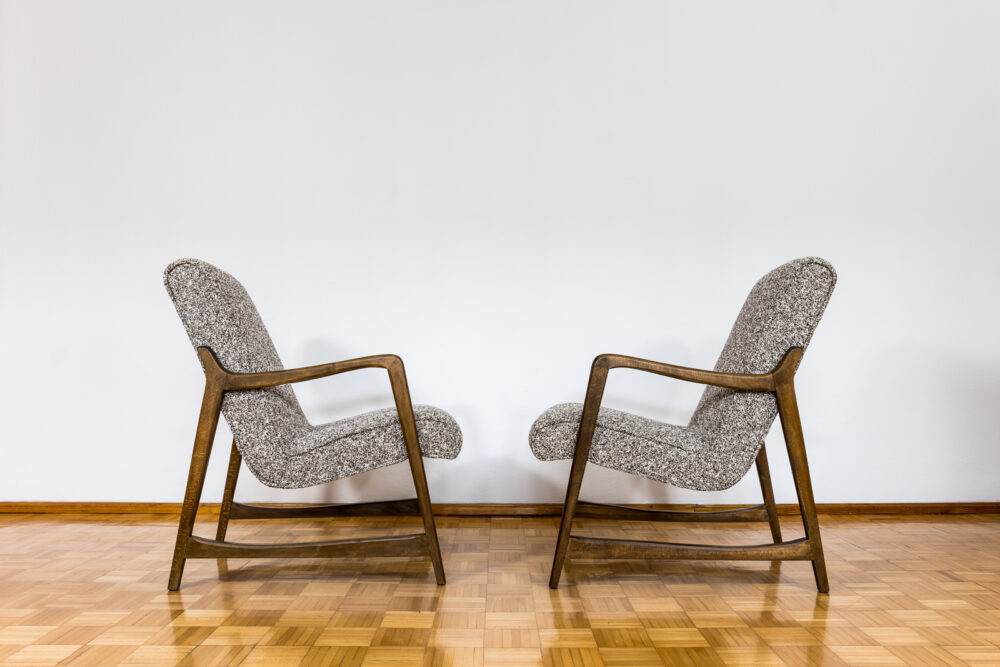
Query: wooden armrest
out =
(739, 381)
(241, 381)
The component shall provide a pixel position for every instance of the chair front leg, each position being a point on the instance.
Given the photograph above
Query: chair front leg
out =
(764, 475)
(235, 459)
(791, 426)
(584, 439)
(208, 420)
(404, 409)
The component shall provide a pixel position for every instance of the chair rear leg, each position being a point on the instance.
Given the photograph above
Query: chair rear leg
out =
(764, 474)
(208, 420)
(227, 495)
(792, 428)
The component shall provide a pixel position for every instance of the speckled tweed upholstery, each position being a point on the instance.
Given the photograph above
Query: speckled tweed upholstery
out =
(277, 442)
(718, 446)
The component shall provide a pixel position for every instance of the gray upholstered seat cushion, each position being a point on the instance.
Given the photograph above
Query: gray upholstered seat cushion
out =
(630, 443)
(354, 445)
(725, 433)
(279, 445)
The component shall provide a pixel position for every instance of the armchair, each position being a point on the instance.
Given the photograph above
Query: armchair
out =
(752, 383)
(246, 383)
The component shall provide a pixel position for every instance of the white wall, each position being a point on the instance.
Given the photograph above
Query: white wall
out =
(498, 191)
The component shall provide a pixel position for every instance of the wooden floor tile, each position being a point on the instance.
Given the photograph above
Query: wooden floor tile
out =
(157, 655)
(275, 656)
(42, 654)
(512, 657)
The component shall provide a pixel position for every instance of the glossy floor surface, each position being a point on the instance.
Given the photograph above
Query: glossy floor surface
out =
(91, 590)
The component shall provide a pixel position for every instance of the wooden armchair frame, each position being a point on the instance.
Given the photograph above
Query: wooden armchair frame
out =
(780, 382)
(218, 381)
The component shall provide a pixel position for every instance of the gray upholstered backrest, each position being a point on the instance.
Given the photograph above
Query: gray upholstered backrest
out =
(780, 313)
(217, 313)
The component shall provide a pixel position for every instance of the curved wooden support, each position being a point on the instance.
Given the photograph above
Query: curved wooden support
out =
(242, 381)
(372, 547)
(218, 381)
(595, 547)
(739, 381)
(599, 511)
(780, 382)
(408, 507)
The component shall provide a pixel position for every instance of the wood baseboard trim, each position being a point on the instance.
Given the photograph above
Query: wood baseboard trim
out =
(516, 509)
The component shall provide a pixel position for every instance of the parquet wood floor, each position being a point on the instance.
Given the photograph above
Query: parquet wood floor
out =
(91, 590)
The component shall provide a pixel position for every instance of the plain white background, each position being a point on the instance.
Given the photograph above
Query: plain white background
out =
(498, 191)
